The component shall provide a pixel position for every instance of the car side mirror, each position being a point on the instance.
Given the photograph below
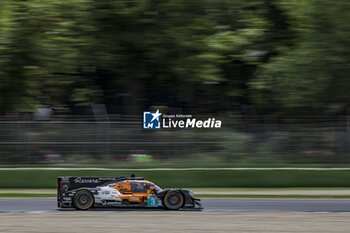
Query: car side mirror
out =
(153, 189)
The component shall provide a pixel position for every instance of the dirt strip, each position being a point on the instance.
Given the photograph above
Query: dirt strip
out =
(108, 221)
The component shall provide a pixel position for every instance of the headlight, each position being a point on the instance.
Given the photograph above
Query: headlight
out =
(191, 193)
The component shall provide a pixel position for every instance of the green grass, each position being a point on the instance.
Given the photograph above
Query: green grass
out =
(27, 195)
(183, 163)
(44, 179)
(26, 189)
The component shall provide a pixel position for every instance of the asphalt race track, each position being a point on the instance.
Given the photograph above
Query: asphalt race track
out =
(220, 215)
(209, 204)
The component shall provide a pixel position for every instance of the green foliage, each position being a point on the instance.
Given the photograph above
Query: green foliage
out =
(311, 75)
(279, 55)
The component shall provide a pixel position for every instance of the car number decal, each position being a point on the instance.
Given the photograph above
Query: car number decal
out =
(152, 201)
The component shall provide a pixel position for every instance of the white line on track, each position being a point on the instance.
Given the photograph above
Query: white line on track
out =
(174, 169)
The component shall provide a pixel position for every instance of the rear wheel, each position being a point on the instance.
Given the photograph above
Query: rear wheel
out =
(173, 200)
(83, 200)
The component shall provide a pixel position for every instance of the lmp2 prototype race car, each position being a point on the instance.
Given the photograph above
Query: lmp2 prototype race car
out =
(83, 193)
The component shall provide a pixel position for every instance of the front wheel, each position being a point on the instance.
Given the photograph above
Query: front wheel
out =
(83, 200)
(173, 200)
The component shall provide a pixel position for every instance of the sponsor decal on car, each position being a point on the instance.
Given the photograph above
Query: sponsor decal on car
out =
(152, 201)
(84, 181)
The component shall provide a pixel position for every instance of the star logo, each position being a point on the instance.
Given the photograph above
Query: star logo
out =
(151, 120)
(156, 115)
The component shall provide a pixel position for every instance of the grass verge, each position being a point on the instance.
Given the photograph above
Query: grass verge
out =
(195, 179)
(27, 195)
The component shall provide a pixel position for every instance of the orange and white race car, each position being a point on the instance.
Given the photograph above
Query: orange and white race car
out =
(83, 193)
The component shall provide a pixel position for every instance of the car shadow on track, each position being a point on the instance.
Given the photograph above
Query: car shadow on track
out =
(127, 209)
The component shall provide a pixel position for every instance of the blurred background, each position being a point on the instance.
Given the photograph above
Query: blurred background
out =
(75, 77)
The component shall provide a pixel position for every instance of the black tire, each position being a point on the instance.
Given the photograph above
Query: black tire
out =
(83, 200)
(173, 200)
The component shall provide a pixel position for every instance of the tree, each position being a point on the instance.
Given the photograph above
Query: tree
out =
(311, 75)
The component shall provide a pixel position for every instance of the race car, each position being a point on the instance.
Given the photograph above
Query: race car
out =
(83, 193)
